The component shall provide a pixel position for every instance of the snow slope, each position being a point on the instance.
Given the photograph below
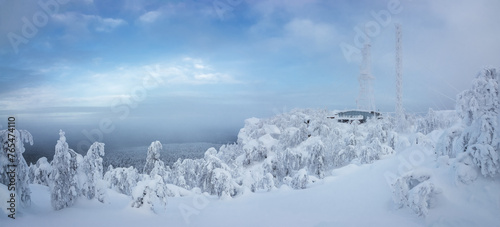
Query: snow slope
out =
(353, 196)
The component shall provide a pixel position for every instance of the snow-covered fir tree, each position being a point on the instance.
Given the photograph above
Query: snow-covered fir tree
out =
(21, 169)
(92, 167)
(153, 158)
(63, 179)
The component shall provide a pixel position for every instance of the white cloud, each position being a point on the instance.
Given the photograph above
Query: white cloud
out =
(149, 17)
(199, 66)
(192, 71)
(108, 24)
(79, 24)
(101, 88)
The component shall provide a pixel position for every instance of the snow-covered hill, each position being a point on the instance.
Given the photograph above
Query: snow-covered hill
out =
(355, 195)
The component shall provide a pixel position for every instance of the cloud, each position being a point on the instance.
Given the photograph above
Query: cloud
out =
(149, 17)
(79, 25)
(108, 24)
(101, 88)
(192, 72)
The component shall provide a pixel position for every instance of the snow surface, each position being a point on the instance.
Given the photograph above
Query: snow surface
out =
(354, 195)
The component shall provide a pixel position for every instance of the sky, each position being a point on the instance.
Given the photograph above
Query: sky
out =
(130, 71)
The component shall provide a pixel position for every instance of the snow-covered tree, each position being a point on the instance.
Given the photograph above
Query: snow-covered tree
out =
(300, 180)
(150, 193)
(153, 158)
(479, 109)
(416, 191)
(92, 167)
(41, 171)
(214, 175)
(23, 192)
(186, 173)
(122, 180)
(64, 180)
(220, 183)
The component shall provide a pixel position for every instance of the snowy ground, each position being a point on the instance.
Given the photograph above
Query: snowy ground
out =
(353, 196)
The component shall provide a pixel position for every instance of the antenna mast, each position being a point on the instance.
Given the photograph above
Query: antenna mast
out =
(365, 98)
(400, 115)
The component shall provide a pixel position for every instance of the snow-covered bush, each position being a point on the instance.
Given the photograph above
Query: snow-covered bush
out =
(122, 179)
(41, 171)
(416, 191)
(23, 192)
(151, 193)
(300, 180)
(464, 169)
(448, 141)
(64, 179)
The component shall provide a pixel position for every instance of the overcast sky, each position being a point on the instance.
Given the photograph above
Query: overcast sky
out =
(195, 69)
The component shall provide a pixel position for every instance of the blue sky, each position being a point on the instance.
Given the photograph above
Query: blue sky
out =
(216, 63)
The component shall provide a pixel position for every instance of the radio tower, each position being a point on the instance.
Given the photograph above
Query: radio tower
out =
(365, 99)
(400, 115)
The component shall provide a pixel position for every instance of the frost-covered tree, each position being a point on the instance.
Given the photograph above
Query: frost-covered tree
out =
(350, 147)
(479, 109)
(300, 180)
(415, 190)
(92, 167)
(21, 169)
(41, 171)
(220, 183)
(64, 180)
(214, 175)
(186, 173)
(150, 193)
(153, 158)
(316, 159)
(122, 180)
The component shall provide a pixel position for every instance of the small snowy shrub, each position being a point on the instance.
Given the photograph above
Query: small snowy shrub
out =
(41, 172)
(465, 173)
(415, 191)
(300, 180)
(151, 193)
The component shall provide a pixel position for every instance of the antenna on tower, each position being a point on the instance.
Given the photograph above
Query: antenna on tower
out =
(365, 99)
(400, 115)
